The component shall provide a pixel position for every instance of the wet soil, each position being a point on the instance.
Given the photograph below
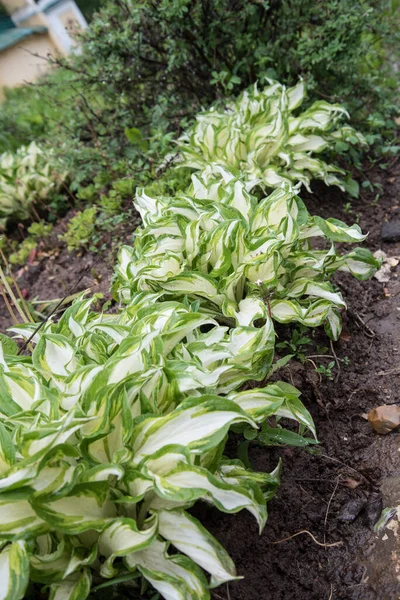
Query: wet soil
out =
(335, 492)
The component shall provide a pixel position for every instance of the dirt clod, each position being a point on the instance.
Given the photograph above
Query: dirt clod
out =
(391, 231)
(384, 419)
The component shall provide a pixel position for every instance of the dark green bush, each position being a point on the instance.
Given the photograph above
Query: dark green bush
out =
(148, 65)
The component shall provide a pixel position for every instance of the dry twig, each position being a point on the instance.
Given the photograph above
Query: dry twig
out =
(329, 505)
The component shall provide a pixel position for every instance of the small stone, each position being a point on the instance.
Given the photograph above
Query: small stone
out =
(350, 511)
(391, 231)
(373, 509)
(385, 418)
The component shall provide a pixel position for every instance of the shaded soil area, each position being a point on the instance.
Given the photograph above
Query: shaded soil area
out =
(338, 491)
(55, 272)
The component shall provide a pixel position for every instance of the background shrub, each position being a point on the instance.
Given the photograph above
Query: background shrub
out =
(147, 66)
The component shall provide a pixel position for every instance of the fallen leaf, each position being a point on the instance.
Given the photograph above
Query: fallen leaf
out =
(345, 336)
(385, 418)
(351, 483)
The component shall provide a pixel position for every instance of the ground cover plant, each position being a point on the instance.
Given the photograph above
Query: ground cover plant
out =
(115, 424)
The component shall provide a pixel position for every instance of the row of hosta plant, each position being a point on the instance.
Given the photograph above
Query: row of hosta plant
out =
(259, 136)
(115, 424)
(29, 179)
(111, 429)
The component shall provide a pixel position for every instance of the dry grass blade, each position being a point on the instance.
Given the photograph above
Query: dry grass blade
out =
(290, 537)
(26, 310)
(13, 297)
(8, 305)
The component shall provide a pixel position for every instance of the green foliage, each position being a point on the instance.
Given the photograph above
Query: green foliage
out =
(108, 464)
(116, 424)
(297, 343)
(20, 256)
(240, 257)
(40, 229)
(38, 112)
(80, 229)
(326, 371)
(37, 231)
(89, 7)
(111, 204)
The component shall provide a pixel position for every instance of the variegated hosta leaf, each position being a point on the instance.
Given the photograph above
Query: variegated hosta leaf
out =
(184, 483)
(175, 577)
(198, 425)
(14, 571)
(279, 399)
(76, 587)
(188, 535)
(258, 136)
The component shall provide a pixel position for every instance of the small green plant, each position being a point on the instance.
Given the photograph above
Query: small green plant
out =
(88, 193)
(110, 204)
(226, 81)
(37, 231)
(80, 229)
(348, 208)
(40, 229)
(297, 343)
(326, 371)
(124, 187)
(20, 256)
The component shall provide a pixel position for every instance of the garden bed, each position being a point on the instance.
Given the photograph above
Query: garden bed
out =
(316, 492)
(323, 487)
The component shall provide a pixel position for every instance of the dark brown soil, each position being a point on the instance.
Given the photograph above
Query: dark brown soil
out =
(342, 479)
(317, 491)
(55, 272)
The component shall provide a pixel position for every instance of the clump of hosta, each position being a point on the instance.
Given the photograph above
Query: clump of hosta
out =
(30, 176)
(110, 431)
(259, 136)
(241, 258)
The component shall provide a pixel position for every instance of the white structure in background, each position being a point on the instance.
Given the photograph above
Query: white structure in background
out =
(32, 29)
(61, 17)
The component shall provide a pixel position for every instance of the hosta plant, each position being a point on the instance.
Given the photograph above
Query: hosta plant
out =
(28, 177)
(115, 424)
(263, 136)
(241, 258)
(111, 430)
